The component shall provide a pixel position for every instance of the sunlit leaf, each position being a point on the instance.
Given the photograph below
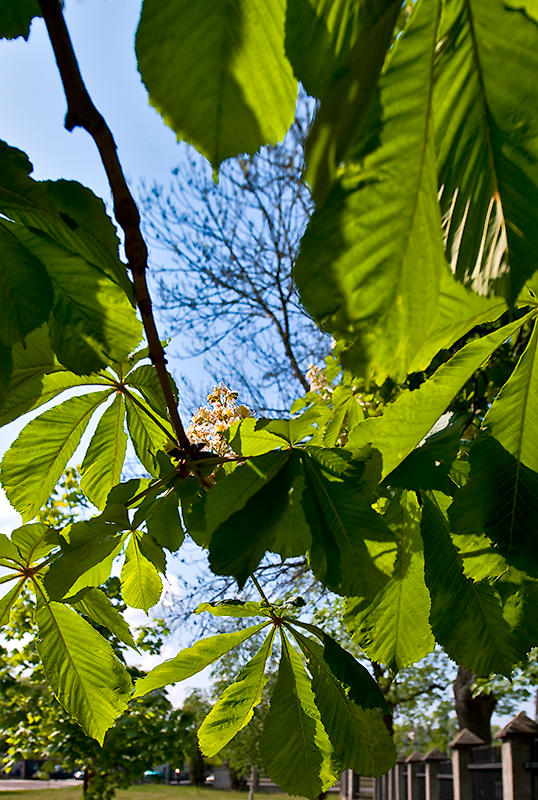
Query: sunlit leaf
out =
(235, 706)
(295, 747)
(415, 412)
(500, 498)
(193, 659)
(218, 73)
(34, 541)
(466, 616)
(103, 462)
(141, 585)
(359, 736)
(371, 261)
(487, 134)
(393, 628)
(81, 668)
(147, 432)
(96, 605)
(8, 600)
(34, 462)
(234, 608)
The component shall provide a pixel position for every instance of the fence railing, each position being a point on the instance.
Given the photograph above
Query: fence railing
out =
(507, 770)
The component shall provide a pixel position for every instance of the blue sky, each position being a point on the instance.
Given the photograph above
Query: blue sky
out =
(33, 106)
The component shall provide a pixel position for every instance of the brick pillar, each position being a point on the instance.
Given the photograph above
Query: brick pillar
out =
(516, 739)
(461, 758)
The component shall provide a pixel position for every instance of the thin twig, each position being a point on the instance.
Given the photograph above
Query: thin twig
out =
(81, 112)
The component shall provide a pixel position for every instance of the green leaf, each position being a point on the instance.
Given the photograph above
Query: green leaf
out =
(327, 29)
(93, 323)
(393, 628)
(8, 600)
(479, 557)
(247, 438)
(151, 550)
(8, 549)
(371, 261)
(147, 436)
(234, 608)
(193, 659)
(81, 669)
(99, 572)
(34, 541)
(218, 73)
(33, 464)
(88, 553)
(343, 525)
(87, 228)
(96, 605)
(360, 687)
(64, 212)
(25, 288)
(500, 497)
(428, 465)
(141, 585)
(292, 430)
(239, 543)
(31, 390)
(459, 311)
(466, 616)
(359, 736)
(235, 707)
(231, 493)
(529, 6)
(487, 141)
(295, 748)
(17, 17)
(292, 535)
(415, 413)
(353, 39)
(103, 462)
(163, 522)
(6, 370)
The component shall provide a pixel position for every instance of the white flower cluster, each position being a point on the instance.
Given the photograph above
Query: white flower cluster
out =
(209, 422)
(318, 382)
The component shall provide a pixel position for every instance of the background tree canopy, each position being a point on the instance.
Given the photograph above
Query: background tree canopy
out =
(407, 484)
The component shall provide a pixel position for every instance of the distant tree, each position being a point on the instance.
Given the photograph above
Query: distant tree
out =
(195, 707)
(33, 725)
(227, 250)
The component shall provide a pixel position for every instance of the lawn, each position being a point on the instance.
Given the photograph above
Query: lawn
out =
(145, 792)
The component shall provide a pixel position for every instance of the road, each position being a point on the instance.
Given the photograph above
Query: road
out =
(14, 785)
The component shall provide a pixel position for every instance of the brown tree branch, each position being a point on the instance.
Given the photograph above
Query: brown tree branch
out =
(82, 113)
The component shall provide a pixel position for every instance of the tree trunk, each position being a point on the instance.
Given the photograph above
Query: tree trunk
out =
(86, 781)
(253, 783)
(473, 713)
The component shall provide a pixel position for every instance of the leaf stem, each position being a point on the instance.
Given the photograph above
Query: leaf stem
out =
(259, 588)
(81, 112)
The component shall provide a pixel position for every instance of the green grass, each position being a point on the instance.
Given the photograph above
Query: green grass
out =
(144, 792)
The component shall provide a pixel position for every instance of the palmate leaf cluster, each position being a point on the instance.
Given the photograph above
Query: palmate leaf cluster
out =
(420, 260)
